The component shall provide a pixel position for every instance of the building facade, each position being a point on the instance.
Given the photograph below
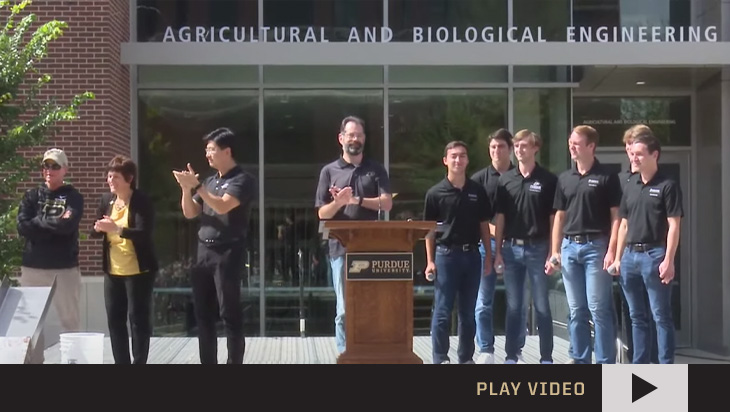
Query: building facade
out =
(283, 73)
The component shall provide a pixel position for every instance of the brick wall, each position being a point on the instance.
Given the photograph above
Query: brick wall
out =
(86, 58)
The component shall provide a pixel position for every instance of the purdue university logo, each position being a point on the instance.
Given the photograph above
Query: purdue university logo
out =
(379, 266)
(358, 266)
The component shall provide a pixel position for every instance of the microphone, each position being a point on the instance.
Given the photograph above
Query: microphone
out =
(375, 177)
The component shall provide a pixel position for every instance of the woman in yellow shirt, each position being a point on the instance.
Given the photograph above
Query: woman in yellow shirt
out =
(125, 219)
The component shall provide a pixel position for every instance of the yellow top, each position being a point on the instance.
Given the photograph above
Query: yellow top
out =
(122, 258)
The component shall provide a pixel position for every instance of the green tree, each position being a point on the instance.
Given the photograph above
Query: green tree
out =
(27, 118)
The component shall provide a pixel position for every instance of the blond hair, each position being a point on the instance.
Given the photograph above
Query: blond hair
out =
(526, 134)
(635, 130)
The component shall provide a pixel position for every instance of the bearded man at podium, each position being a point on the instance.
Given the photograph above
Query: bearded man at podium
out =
(352, 187)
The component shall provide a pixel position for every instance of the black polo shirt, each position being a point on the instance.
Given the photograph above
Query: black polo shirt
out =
(488, 178)
(216, 229)
(527, 203)
(587, 199)
(368, 179)
(647, 207)
(458, 212)
(624, 177)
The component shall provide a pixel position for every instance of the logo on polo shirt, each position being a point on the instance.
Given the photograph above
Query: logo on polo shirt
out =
(536, 187)
(225, 185)
(472, 196)
(593, 182)
(654, 191)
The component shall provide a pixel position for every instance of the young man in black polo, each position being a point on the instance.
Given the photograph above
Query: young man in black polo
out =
(524, 218)
(352, 187)
(624, 177)
(628, 140)
(223, 201)
(651, 212)
(500, 148)
(461, 209)
(587, 198)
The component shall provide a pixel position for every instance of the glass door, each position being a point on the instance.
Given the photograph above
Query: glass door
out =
(675, 163)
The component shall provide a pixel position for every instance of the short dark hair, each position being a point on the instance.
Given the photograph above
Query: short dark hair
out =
(349, 119)
(501, 134)
(651, 142)
(454, 144)
(125, 166)
(223, 137)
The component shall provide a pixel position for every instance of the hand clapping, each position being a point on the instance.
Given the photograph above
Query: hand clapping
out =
(341, 196)
(187, 179)
(106, 225)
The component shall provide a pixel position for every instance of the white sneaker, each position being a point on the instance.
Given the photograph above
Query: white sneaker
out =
(446, 362)
(485, 358)
(570, 361)
(520, 359)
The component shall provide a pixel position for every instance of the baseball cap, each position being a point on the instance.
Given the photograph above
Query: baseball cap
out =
(57, 155)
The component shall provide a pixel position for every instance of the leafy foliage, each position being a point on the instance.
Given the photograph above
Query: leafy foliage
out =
(26, 118)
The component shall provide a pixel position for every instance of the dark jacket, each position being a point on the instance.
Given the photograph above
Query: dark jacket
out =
(141, 221)
(49, 222)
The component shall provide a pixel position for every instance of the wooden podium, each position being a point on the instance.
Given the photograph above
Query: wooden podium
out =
(378, 290)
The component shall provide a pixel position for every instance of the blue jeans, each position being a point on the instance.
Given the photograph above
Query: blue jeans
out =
(338, 281)
(638, 270)
(520, 262)
(457, 272)
(589, 290)
(626, 320)
(484, 312)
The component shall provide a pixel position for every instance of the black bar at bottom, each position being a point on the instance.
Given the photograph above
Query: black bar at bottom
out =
(340, 387)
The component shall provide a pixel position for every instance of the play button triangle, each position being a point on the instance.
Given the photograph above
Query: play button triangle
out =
(640, 388)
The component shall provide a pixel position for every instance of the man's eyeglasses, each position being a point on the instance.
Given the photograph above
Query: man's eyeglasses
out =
(51, 166)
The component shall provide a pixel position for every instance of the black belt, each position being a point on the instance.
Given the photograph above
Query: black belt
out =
(466, 247)
(530, 241)
(643, 247)
(584, 238)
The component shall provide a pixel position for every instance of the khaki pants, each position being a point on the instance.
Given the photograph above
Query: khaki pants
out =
(65, 298)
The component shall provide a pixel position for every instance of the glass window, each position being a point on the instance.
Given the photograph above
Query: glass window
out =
(192, 20)
(447, 74)
(323, 74)
(668, 117)
(547, 113)
(673, 13)
(542, 74)
(197, 76)
(171, 127)
(547, 20)
(301, 129)
(332, 19)
(433, 20)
